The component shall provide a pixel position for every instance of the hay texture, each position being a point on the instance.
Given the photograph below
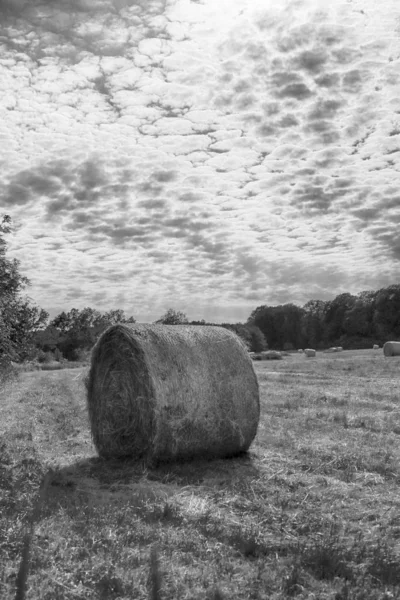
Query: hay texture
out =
(309, 352)
(391, 349)
(168, 392)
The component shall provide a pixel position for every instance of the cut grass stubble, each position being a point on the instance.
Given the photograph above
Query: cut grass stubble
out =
(311, 511)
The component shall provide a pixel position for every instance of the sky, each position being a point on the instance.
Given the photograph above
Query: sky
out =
(205, 156)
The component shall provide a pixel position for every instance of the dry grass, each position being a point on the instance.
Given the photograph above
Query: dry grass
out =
(162, 393)
(311, 512)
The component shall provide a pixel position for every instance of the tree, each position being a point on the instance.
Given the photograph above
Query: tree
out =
(113, 317)
(335, 316)
(241, 331)
(79, 329)
(358, 320)
(25, 320)
(313, 323)
(173, 317)
(19, 318)
(47, 339)
(258, 343)
(386, 314)
(280, 324)
(263, 317)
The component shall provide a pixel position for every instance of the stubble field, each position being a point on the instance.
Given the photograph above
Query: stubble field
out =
(313, 510)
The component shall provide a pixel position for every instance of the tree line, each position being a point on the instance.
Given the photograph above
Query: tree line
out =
(351, 321)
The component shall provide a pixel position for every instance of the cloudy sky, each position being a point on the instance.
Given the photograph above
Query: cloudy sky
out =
(201, 155)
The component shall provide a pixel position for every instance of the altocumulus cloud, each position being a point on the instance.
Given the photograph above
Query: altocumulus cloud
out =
(207, 156)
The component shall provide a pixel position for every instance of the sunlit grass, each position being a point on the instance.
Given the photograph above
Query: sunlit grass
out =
(312, 511)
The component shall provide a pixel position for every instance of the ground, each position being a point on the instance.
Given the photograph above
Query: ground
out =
(312, 511)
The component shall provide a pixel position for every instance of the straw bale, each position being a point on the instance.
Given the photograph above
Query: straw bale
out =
(309, 352)
(391, 349)
(375, 347)
(339, 349)
(300, 350)
(168, 392)
(271, 355)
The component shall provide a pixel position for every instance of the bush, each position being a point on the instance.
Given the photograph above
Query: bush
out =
(45, 357)
(7, 371)
(58, 355)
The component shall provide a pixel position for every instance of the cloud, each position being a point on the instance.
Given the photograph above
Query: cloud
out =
(199, 154)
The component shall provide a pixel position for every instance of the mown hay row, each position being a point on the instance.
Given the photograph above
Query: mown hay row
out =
(161, 393)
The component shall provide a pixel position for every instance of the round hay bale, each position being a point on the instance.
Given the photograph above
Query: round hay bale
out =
(271, 355)
(300, 351)
(391, 349)
(339, 349)
(167, 392)
(309, 352)
(375, 347)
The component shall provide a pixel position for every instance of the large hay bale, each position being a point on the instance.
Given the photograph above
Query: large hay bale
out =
(309, 352)
(391, 349)
(166, 392)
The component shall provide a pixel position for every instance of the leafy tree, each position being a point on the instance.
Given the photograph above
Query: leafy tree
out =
(64, 321)
(292, 326)
(313, 323)
(241, 330)
(173, 317)
(335, 316)
(48, 338)
(25, 320)
(78, 329)
(280, 324)
(263, 317)
(19, 318)
(359, 319)
(113, 317)
(386, 314)
(257, 341)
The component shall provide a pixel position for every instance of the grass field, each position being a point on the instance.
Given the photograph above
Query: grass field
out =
(313, 511)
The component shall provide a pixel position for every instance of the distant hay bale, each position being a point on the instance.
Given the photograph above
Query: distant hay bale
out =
(339, 349)
(300, 351)
(167, 392)
(375, 347)
(268, 355)
(309, 352)
(271, 355)
(51, 366)
(391, 349)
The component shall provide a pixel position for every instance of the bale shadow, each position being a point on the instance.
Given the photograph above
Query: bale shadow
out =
(114, 473)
